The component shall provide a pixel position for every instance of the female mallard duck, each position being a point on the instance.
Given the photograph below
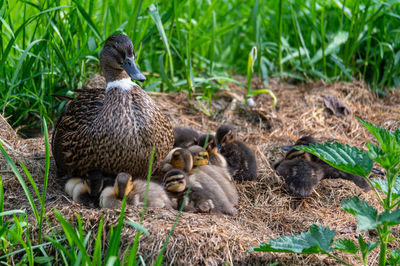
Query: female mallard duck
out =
(192, 163)
(215, 158)
(242, 163)
(303, 171)
(112, 129)
(135, 190)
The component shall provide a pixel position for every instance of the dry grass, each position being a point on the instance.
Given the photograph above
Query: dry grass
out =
(265, 208)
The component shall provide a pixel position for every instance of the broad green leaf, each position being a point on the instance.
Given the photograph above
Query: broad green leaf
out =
(366, 215)
(343, 157)
(387, 161)
(345, 245)
(317, 240)
(382, 184)
(394, 258)
(389, 144)
(390, 218)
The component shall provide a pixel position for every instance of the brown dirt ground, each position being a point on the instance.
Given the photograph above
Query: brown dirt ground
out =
(266, 209)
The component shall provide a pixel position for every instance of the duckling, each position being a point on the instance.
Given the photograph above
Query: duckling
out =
(185, 137)
(112, 129)
(87, 190)
(184, 160)
(215, 158)
(135, 190)
(78, 189)
(300, 176)
(175, 182)
(242, 163)
(219, 174)
(303, 171)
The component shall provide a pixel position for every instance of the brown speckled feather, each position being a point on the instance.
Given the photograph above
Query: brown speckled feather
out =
(112, 132)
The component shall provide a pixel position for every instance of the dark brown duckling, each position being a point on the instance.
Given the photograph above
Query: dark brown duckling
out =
(303, 171)
(241, 161)
(185, 137)
(215, 158)
(301, 176)
(112, 129)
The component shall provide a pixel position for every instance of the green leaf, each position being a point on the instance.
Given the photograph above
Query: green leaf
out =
(346, 245)
(366, 247)
(138, 226)
(343, 157)
(383, 185)
(389, 145)
(43, 259)
(317, 240)
(338, 40)
(390, 218)
(387, 161)
(366, 215)
(394, 258)
(390, 142)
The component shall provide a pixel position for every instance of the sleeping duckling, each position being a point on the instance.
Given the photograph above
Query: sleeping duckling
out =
(184, 160)
(302, 171)
(185, 137)
(301, 176)
(175, 182)
(135, 190)
(86, 191)
(215, 158)
(242, 163)
(219, 174)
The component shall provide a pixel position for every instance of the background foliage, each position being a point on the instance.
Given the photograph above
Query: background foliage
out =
(51, 47)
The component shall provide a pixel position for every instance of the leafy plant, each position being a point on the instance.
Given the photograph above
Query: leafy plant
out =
(358, 162)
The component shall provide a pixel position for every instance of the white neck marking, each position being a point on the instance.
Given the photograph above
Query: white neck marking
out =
(122, 84)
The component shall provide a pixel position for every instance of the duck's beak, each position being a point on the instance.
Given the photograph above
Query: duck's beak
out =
(287, 147)
(130, 67)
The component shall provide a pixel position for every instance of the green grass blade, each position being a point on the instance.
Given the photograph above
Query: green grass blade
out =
(156, 17)
(20, 179)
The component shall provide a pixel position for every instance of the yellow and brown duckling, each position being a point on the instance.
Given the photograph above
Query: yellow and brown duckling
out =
(135, 190)
(302, 171)
(210, 142)
(175, 183)
(112, 129)
(241, 161)
(86, 191)
(192, 162)
(185, 137)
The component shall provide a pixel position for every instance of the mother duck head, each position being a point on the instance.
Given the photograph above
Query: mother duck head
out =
(118, 62)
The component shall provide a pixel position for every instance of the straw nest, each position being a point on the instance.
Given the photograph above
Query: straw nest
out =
(266, 209)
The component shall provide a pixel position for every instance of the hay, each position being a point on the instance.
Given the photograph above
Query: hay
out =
(266, 210)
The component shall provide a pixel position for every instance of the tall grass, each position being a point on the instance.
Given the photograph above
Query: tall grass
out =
(51, 47)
